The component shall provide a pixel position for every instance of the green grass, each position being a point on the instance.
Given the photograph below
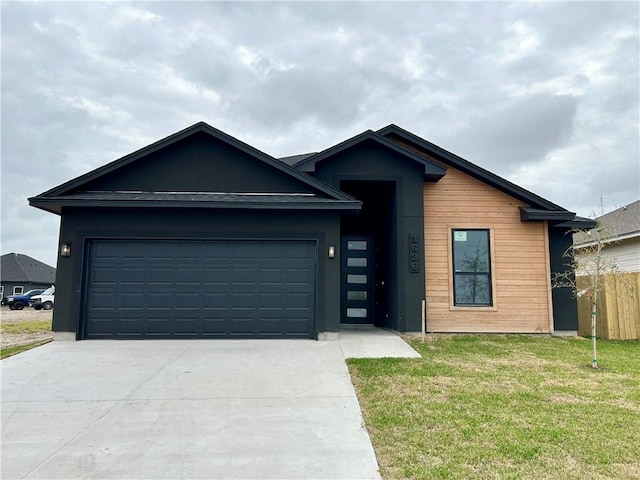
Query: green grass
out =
(8, 351)
(27, 327)
(24, 327)
(507, 407)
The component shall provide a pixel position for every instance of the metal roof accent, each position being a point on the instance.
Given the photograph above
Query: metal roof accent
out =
(528, 214)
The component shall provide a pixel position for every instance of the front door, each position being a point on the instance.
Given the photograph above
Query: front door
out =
(357, 279)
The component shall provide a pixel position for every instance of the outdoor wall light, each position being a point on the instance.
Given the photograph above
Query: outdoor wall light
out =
(332, 251)
(65, 250)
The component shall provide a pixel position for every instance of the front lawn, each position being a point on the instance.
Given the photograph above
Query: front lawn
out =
(497, 407)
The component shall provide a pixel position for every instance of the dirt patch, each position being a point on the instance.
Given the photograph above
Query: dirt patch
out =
(27, 315)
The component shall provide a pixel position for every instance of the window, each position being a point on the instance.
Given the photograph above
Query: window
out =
(1, 291)
(471, 268)
(18, 290)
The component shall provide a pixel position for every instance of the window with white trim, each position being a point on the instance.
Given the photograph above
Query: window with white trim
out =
(18, 290)
(471, 256)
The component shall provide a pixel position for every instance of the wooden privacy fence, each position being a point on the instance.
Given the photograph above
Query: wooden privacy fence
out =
(618, 309)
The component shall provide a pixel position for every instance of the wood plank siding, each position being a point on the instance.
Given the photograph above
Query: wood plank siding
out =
(519, 259)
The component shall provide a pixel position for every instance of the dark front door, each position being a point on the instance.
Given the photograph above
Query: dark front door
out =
(357, 279)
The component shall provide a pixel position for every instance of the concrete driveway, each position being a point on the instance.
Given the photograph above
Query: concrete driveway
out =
(186, 409)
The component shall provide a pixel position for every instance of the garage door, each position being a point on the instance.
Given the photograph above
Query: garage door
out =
(200, 289)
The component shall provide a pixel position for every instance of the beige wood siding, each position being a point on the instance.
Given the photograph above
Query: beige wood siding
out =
(519, 253)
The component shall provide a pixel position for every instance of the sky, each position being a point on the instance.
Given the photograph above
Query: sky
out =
(545, 94)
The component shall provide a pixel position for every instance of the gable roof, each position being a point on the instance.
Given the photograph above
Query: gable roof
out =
(432, 170)
(619, 224)
(538, 205)
(15, 267)
(66, 194)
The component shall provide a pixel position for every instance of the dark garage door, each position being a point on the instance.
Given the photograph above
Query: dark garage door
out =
(204, 289)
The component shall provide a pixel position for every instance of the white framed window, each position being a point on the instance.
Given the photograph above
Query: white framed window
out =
(18, 289)
(1, 291)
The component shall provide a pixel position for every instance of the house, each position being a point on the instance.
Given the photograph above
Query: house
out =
(622, 237)
(21, 273)
(200, 235)
(618, 236)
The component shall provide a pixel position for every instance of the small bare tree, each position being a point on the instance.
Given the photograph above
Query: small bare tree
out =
(588, 263)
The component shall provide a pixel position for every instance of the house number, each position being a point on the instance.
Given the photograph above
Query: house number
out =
(414, 253)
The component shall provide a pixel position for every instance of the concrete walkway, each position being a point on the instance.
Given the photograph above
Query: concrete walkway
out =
(186, 409)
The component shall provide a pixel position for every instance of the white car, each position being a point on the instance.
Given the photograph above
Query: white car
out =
(44, 300)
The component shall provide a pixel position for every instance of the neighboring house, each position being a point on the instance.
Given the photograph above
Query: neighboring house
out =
(202, 235)
(618, 234)
(21, 273)
(622, 240)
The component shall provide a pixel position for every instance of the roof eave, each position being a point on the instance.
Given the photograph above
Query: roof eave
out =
(528, 214)
(54, 205)
(578, 223)
(470, 168)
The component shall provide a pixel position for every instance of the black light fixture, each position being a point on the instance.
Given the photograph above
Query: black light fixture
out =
(65, 250)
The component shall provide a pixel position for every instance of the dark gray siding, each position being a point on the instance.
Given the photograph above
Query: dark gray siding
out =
(369, 161)
(565, 307)
(199, 163)
(80, 226)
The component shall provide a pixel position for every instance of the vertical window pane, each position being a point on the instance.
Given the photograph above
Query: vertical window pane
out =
(472, 290)
(471, 251)
(471, 267)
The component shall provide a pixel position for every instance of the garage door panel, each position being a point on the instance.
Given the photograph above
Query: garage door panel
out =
(132, 276)
(165, 289)
(104, 275)
(105, 251)
(130, 326)
(132, 251)
(102, 300)
(188, 276)
(296, 325)
(216, 276)
(299, 276)
(159, 276)
(215, 301)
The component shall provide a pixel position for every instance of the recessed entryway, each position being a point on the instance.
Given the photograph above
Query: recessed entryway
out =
(367, 253)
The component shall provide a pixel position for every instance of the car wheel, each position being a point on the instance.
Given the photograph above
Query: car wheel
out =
(38, 307)
(18, 306)
(47, 305)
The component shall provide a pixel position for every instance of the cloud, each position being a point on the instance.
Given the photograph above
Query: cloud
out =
(544, 93)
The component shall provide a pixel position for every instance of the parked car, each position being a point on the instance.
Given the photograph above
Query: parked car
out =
(18, 302)
(44, 300)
